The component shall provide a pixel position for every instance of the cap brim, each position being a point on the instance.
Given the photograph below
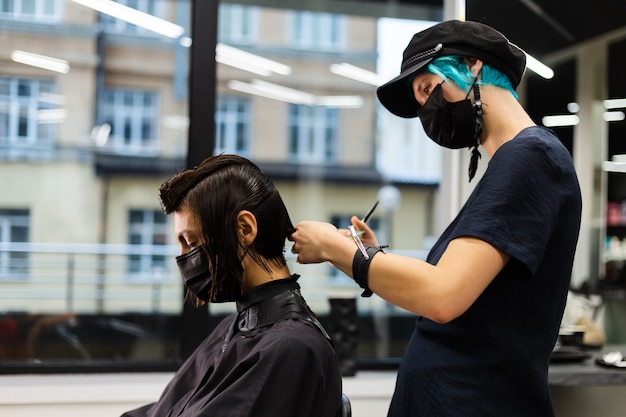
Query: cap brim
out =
(397, 96)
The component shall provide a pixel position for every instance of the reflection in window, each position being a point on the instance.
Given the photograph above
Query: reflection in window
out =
(237, 23)
(322, 31)
(132, 116)
(14, 228)
(42, 10)
(151, 7)
(313, 132)
(232, 125)
(24, 112)
(147, 228)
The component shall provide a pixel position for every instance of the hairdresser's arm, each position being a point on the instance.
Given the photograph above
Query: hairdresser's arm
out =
(439, 292)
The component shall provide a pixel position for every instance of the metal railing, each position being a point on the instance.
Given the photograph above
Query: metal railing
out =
(88, 278)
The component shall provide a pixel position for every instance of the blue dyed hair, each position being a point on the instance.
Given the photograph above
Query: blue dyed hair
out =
(454, 68)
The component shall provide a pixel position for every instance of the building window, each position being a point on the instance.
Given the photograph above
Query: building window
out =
(151, 7)
(313, 132)
(321, 31)
(25, 112)
(146, 228)
(14, 228)
(232, 125)
(237, 23)
(132, 116)
(39, 10)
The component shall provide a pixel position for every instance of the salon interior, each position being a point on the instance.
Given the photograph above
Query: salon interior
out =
(102, 100)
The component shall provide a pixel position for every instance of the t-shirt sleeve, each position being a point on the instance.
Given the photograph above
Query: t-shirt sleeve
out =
(517, 204)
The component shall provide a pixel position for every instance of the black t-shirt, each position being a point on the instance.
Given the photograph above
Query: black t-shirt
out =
(493, 359)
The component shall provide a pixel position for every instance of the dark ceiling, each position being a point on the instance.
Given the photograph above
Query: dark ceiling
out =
(541, 27)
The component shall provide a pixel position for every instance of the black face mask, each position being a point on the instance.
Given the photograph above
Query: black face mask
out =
(453, 125)
(194, 268)
(448, 124)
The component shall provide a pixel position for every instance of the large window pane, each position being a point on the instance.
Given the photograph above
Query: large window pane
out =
(87, 269)
(322, 137)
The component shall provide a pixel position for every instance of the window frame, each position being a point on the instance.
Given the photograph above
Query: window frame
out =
(116, 112)
(9, 219)
(232, 120)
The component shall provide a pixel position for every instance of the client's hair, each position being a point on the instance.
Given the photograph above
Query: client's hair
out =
(214, 193)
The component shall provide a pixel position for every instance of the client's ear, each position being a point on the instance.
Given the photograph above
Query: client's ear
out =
(246, 228)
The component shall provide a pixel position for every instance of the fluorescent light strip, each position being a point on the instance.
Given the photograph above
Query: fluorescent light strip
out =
(618, 164)
(538, 67)
(242, 65)
(51, 115)
(613, 116)
(276, 93)
(345, 102)
(290, 95)
(41, 61)
(615, 103)
(356, 73)
(560, 120)
(228, 52)
(134, 16)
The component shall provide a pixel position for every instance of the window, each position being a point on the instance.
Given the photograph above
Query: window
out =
(232, 125)
(151, 7)
(132, 116)
(147, 228)
(313, 132)
(14, 228)
(237, 23)
(25, 112)
(322, 31)
(41, 10)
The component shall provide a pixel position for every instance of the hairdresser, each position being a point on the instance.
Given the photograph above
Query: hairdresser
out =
(491, 294)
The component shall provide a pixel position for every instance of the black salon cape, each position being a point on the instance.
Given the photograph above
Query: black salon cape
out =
(285, 369)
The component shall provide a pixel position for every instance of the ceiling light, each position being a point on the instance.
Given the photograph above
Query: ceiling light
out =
(242, 65)
(273, 91)
(573, 107)
(41, 61)
(560, 120)
(248, 61)
(290, 95)
(356, 73)
(134, 16)
(353, 102)
(539, 68)
(615, 103)
(51, 115)
(618, 164)
(613, 116)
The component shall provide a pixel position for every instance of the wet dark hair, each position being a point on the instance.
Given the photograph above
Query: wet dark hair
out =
(215, 192)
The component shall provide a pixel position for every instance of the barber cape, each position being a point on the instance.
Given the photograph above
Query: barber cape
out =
(272, 358)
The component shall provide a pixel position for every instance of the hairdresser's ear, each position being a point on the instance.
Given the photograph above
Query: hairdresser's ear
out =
(474, 65)
(246, 227)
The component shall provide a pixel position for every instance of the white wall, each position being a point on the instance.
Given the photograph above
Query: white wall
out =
(109, 395)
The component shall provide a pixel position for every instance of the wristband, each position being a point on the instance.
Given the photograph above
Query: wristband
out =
(361, 266)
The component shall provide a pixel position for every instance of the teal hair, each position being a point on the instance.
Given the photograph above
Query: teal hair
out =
(454, 68)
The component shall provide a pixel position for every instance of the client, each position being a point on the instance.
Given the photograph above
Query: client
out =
(272, 357)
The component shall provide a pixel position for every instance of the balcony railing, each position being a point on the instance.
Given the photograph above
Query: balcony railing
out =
(89, 278)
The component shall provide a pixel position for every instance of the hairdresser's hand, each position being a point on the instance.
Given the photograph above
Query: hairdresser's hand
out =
(313, 241)
(368, 235)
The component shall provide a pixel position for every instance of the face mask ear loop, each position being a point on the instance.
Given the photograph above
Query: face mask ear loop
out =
(478, 128)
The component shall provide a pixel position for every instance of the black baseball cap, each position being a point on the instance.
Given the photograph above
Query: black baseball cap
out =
(452, 37)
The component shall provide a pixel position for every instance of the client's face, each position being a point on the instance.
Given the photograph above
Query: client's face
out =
(186, 230)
